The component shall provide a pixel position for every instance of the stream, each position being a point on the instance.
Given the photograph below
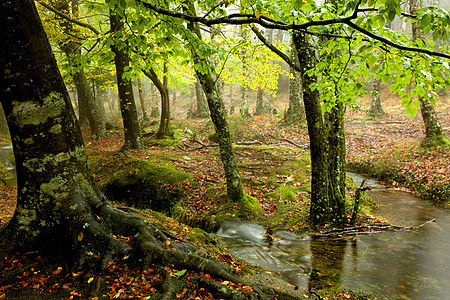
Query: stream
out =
(389, 265)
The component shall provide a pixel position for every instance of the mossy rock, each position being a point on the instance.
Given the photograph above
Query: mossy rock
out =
(248, 209)
(145, 184)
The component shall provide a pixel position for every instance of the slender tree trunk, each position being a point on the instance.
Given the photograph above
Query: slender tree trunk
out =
(126, 96)
(434, 135)
(155, 106)
(319, 210)
(244, 110)
(296, 108)
(164, 125)
(202, 106)
(376, 110)
(235, 191)
(145, 118)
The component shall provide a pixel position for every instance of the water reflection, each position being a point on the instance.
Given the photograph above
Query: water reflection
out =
(391, 265)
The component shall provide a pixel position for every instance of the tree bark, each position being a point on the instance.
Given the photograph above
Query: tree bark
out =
(235, 191)
(319, 210)
(336, 162)
(126, 96)
(434, 135)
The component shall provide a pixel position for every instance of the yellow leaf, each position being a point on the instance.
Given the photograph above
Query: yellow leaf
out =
(80, 236)
(90, 279)
(57, 271)
(257, 15)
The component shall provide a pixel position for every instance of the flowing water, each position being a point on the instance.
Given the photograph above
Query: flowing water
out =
(390, 265)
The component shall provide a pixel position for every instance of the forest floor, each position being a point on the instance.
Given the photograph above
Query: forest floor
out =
(386, 144)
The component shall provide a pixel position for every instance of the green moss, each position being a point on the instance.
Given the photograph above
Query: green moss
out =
(34, 113)
(437, 141)
(143, 184)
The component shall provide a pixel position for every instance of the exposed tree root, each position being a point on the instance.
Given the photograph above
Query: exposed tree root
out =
(102, 233)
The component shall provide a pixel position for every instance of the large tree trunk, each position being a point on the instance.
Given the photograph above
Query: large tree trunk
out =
(434, 135)
(126, 96)
(319, 210)
(235, 191)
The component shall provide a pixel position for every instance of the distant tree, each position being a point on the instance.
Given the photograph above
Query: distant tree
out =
(434, 135)
(296, 108)
(145, 117)
(376, 109)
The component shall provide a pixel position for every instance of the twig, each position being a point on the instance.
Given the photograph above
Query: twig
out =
(376, 228)
(290, 142)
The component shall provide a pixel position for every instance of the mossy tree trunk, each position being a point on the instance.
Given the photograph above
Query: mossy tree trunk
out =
(125, 87)
(336, 162)
(235, 191)
(319, 210)
(86, 100)
(434, 135)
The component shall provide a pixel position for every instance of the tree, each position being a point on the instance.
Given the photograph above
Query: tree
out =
(125, 87)
(60, 212)
(296, 108)
(434, 135)
(145, 117)
(164, 124)
(201, 107)
(376, 110)
(320, 201)
(235, 191)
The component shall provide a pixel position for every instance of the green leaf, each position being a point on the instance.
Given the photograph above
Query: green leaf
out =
(180, 273)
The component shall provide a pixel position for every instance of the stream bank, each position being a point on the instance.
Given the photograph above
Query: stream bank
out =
(390, 265)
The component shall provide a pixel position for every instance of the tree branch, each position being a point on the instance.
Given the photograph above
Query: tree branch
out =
(393, 44)
(277, 51)
(68, 18)
(242, 18)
